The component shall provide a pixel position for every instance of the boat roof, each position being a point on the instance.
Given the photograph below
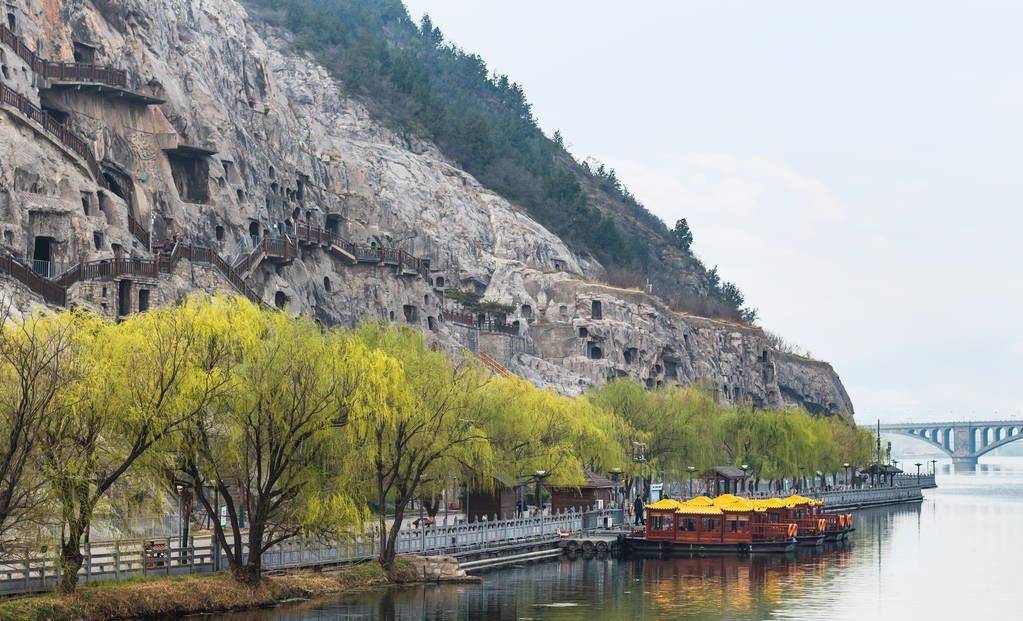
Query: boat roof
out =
(664, 504)
(700, 501)
(688, 509)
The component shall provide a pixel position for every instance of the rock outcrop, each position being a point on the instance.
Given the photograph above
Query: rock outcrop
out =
(220, 138)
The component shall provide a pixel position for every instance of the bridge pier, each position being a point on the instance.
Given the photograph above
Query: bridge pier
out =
(966, 463)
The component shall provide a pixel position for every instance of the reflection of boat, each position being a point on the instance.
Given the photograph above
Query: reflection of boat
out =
(723, 525)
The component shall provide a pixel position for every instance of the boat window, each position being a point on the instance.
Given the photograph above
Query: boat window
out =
(711, 524)
(687, 525)
(662, 522)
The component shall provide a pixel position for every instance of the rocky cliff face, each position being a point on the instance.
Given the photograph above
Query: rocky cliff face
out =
(220, 139)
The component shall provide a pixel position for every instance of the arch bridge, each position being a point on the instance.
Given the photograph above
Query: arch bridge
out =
(963, 441)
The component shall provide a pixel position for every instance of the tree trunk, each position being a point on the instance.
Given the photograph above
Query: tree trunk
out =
(71, 559)
(432, 506)
(382, 526)
(388, 551)
(250, 573)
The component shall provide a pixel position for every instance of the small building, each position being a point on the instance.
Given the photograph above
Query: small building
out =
(723, 480)
(881, 474)
(497, 499)
(595, 490)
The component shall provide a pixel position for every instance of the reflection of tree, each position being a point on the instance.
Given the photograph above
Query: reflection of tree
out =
(697, 589)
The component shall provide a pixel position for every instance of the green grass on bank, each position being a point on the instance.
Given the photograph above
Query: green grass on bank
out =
(172, 597)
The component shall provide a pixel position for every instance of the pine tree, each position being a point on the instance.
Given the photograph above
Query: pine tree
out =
(683, 235)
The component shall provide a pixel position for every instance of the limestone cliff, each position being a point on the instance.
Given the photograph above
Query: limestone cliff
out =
(219, 160)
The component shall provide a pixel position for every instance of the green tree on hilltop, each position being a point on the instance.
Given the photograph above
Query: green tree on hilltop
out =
(683, 236)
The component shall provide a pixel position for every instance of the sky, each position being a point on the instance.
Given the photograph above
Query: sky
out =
(854, 167)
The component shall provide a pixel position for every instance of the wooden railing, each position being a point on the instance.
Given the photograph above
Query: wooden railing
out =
(812, 525)
(66, 72)
(766, 531)
(109, 268)
(363, 253)
(66, 137)
(139, 231)
(50, 291)
(483, 325)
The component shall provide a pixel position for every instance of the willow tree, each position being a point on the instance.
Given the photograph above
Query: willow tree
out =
(532, 430)
(411, 419)
(139, 381)
(674, 424)
(264, 448)
(37, 364)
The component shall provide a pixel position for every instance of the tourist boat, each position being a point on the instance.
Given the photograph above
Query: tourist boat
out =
(723, 525)
(809, 515)
(803, 511)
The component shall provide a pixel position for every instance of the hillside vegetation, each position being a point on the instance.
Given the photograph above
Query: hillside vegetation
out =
(410, 78)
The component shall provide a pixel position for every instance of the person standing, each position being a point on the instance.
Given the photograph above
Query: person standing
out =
(637, 506)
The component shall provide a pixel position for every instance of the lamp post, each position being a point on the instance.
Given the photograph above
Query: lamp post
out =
(820, 479)
(918, 464)
(895, 463)
(181, 518)
(540, 476)
(616, 476)
(745, 471)
(934, 470)
(639, 456)
(845, 470)
(689, 472)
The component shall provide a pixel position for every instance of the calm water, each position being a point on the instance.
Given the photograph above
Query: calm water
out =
(956, 556)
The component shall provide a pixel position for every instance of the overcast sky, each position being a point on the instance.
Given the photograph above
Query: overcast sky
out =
(853, 167)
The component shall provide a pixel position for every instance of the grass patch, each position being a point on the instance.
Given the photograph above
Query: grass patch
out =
(178, 596)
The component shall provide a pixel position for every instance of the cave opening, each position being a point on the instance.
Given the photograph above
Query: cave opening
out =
(191, 172)
(84, 53)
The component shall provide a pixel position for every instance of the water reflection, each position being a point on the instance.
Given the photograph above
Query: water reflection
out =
(954, 555)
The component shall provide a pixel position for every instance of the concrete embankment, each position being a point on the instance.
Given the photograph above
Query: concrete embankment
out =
(872, 497)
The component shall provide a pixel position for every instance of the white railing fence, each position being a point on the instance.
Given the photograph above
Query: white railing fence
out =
(23, 571)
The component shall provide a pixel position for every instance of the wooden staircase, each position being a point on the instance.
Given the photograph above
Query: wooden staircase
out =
(496, 367)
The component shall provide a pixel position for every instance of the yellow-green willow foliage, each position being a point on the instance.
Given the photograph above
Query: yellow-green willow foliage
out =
(138, 382)
(674, 425)
(37, 364)
(685, 426)
(532, 429)
(266, 443)
(420, 420)
(290, 429)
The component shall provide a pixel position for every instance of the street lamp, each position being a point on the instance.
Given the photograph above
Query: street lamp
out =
(616, 476)
(689, 471)
(820, 479)
(745, 470)
(540, 476)
(845, 469)
(933, 467)
(639, 456)
(918, 464)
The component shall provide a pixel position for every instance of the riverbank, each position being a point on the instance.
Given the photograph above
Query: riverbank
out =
(189, 595)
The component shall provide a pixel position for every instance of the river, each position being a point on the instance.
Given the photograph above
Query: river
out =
(955, 556)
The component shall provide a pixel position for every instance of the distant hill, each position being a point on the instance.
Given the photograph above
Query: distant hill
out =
(408, 76)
